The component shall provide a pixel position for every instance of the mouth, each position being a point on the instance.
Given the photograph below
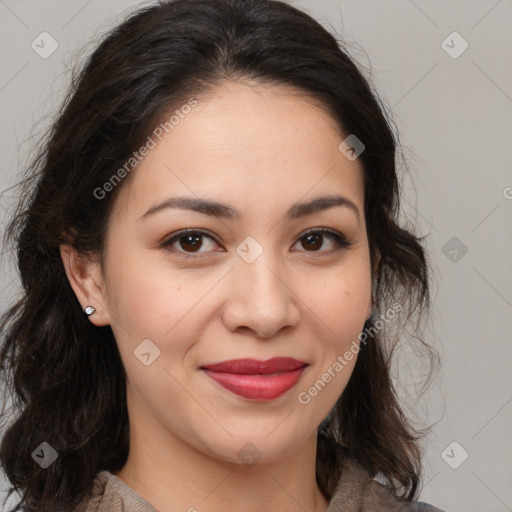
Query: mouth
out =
(257, 380)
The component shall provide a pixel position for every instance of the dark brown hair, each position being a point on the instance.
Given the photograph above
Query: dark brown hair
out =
(65, 374)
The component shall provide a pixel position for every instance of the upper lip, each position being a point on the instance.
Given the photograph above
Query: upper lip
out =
(253, 366)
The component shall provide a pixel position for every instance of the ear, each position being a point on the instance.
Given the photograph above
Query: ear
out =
(86, 278)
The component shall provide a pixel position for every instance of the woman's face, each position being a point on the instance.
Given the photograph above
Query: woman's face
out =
(248, 286)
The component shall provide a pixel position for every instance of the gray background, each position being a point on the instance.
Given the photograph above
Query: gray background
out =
(454, 116)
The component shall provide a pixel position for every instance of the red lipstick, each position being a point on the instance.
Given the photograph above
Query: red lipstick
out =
(257, 380)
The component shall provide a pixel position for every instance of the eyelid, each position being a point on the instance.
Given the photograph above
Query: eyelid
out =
(340, 240)
(187, 231)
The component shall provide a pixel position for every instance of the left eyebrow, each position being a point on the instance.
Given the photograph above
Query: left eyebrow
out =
(216, 209)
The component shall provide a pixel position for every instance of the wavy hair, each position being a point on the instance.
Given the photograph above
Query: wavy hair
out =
(64, 374)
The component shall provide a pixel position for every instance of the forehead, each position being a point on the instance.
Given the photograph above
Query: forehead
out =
(254, 146)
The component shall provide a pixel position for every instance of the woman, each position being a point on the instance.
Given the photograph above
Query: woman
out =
(210, 256)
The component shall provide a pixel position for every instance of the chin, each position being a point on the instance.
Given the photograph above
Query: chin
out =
(261, 448)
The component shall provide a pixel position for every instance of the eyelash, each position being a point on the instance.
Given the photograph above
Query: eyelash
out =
(340, 241)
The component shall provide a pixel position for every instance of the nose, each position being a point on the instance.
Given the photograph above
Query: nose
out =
(261, 299)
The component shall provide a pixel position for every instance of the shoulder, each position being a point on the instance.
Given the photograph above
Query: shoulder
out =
(91, 502)
(111, 494)
(379, 497)
(358, 490)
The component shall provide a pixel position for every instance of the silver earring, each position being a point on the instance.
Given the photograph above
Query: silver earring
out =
(89, 310)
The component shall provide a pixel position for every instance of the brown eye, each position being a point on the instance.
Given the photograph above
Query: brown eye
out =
(313, 240)
(188, 241)
(192, 242)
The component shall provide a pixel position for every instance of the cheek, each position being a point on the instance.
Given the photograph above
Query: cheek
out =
(146, 299)
(147, 302)
(341, 307)
(155, 325)
(341, 301)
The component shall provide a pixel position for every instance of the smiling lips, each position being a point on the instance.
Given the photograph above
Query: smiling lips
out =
(257, 380)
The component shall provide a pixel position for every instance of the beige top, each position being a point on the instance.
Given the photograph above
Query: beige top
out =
(356, 491)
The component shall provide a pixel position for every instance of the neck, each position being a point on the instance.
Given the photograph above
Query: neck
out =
(173, 475)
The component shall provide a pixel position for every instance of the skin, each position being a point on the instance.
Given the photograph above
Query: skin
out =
(259, 149)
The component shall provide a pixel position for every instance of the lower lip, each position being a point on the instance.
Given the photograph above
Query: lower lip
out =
(257, 387)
